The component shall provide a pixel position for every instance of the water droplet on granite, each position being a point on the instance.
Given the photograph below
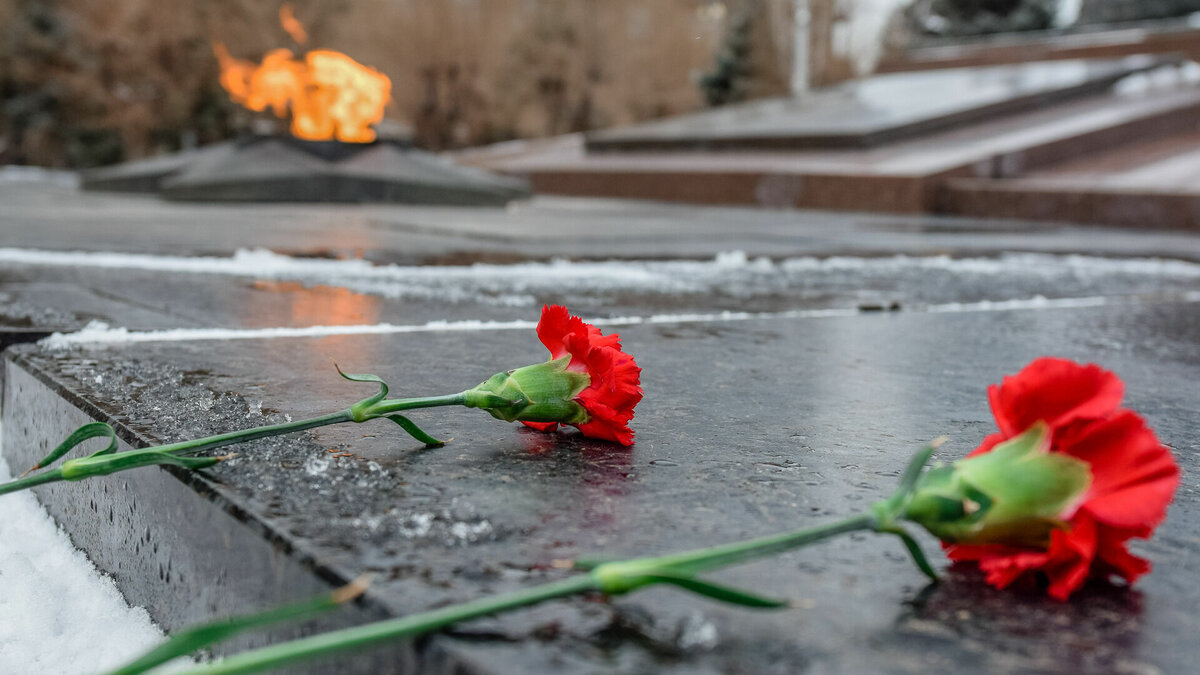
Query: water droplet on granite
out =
(316, 465)
(697, 632)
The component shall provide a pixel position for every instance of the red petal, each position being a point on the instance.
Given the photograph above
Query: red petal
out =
(1003, 570)
(612, 395)
(606, 421)
(553, 328)
(1070, 555)
(1066, 562)
(1133, 476)
(988, 443)
(1057, 391)
(1001, 564)
(616, 378)
(1116, 559)
(598, 339)
(566, 334)
(607, 431)
(541, 426)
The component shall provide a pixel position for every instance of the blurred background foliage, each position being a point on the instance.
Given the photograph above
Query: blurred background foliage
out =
(91, 82)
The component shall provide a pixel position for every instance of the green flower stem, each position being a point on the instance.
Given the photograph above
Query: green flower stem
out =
(232, 437)
(179, 454)
(743, 551)
(388, 406)
(31, 481)
(374, 633)
(197, 637)
(612, 578)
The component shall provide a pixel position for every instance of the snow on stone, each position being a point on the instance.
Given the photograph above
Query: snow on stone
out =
(35, 174)
(1067, 13)
(860, 36)
(731, 272)
(58, 614)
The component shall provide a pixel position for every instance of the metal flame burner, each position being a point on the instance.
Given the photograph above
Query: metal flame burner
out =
(330, 151)
(286, 169)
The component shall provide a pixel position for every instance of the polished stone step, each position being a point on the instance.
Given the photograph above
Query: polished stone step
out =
(874, 110)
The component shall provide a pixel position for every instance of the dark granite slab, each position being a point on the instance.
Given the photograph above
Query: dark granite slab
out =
(144, 175)
(877, 109)
(283, 169)
(747, 428)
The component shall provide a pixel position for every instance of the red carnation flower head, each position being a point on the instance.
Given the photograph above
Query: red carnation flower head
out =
(588, 383)
(1058, 492)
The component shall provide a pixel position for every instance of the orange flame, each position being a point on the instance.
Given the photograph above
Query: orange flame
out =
(293, 26)
(328, 94)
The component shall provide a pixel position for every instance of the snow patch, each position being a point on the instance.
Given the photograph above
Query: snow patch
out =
(730, 273)
(1067, 13)
(1163, 78)
(98, 332)
(696, 632)
(36, 174)
(58, 614)
(860, 36)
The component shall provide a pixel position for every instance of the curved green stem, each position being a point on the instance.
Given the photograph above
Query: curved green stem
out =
(198, 637)
(375, 633)
(914, 550)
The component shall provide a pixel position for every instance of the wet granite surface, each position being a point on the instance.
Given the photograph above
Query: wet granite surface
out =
(60, 218)
(67, 297)
(747, 428)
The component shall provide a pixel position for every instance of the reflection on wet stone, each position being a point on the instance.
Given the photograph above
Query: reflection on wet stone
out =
(1022, 630)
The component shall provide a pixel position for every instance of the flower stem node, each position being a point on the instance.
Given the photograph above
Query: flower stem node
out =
(620, 577)
(544, 392)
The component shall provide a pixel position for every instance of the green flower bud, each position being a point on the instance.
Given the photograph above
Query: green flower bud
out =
(1015, 495)
(543, 392)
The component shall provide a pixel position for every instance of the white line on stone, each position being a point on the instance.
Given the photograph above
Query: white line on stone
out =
(99, 332)
(260, 262)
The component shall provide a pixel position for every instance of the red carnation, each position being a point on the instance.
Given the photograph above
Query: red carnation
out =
(1133, 476)
(588, 382)
(613, 389)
